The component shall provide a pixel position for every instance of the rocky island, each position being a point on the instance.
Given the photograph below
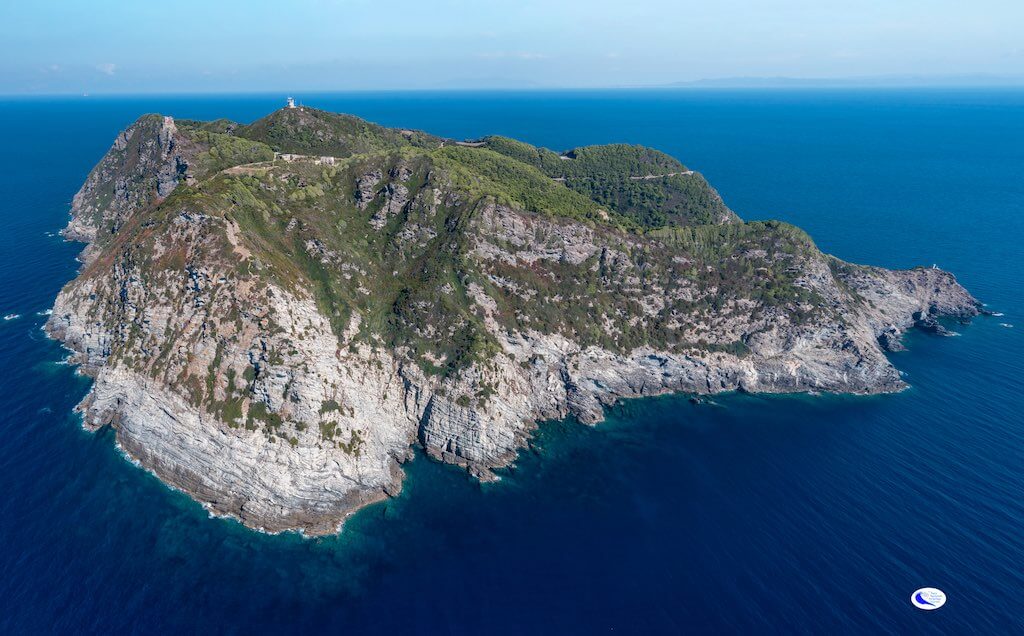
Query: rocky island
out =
(274, 314)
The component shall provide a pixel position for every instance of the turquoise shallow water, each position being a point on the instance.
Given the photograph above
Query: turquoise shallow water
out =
(752, 514)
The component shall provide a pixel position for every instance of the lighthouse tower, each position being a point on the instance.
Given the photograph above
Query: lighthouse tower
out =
(291, 102)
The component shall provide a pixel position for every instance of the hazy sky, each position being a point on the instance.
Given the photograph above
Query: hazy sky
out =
(294, 45)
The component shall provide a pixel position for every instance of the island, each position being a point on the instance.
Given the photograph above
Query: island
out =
(274, 315)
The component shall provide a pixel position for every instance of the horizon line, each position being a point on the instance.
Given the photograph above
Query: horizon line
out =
(688, 86)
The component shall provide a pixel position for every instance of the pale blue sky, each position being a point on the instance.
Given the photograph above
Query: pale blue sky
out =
(102, 46)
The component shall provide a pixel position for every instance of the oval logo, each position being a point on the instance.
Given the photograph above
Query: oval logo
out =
(928, 598)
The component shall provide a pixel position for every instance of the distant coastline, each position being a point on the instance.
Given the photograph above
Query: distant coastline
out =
(861, 82)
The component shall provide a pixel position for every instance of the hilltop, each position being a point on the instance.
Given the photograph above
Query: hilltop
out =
(275, 313)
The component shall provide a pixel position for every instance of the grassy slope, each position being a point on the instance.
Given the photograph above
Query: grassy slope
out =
(317, 132)
(600, 173)
(604, 174)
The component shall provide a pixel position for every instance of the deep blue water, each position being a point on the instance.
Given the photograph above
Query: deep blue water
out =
(758, 514)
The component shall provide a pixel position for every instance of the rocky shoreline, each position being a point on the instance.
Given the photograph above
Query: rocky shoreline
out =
(328, 414)
(275, 488)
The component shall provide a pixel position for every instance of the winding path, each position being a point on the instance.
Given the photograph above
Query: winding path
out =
(646, 177)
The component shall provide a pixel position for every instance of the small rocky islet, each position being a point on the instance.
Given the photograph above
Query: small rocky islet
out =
(274, 314)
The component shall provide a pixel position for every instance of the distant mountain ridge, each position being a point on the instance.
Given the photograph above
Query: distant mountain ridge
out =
(867, 81)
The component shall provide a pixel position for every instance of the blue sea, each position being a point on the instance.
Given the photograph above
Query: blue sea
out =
(751, 514)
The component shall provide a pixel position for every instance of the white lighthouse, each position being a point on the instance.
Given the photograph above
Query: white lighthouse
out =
(291, 102)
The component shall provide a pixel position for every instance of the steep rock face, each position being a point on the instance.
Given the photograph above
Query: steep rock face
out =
(315, 470)
(897, 300)
(145, 163)
(272, 338)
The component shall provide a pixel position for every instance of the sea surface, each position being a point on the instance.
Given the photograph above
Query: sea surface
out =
(751, 514)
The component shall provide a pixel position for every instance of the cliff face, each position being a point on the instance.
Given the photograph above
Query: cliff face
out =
(272, 335)
(144, 164)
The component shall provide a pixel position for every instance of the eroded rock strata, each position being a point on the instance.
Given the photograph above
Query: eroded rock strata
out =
(274, 314)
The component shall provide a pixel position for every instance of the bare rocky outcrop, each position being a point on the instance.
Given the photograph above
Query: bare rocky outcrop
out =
(265, 397)
(315, 470)
(897, 300)
(145, 163)
(366, 188)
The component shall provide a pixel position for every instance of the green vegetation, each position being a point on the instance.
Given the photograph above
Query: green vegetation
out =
(483, 172)
(392, 232)
(328, 430)
(258, 412)
(316, 132)
(760, 260)
(224, 151)
(693, 275)
(216, 126)
(627, 179)
(329, 406)
(716, 241)
(354, 446)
